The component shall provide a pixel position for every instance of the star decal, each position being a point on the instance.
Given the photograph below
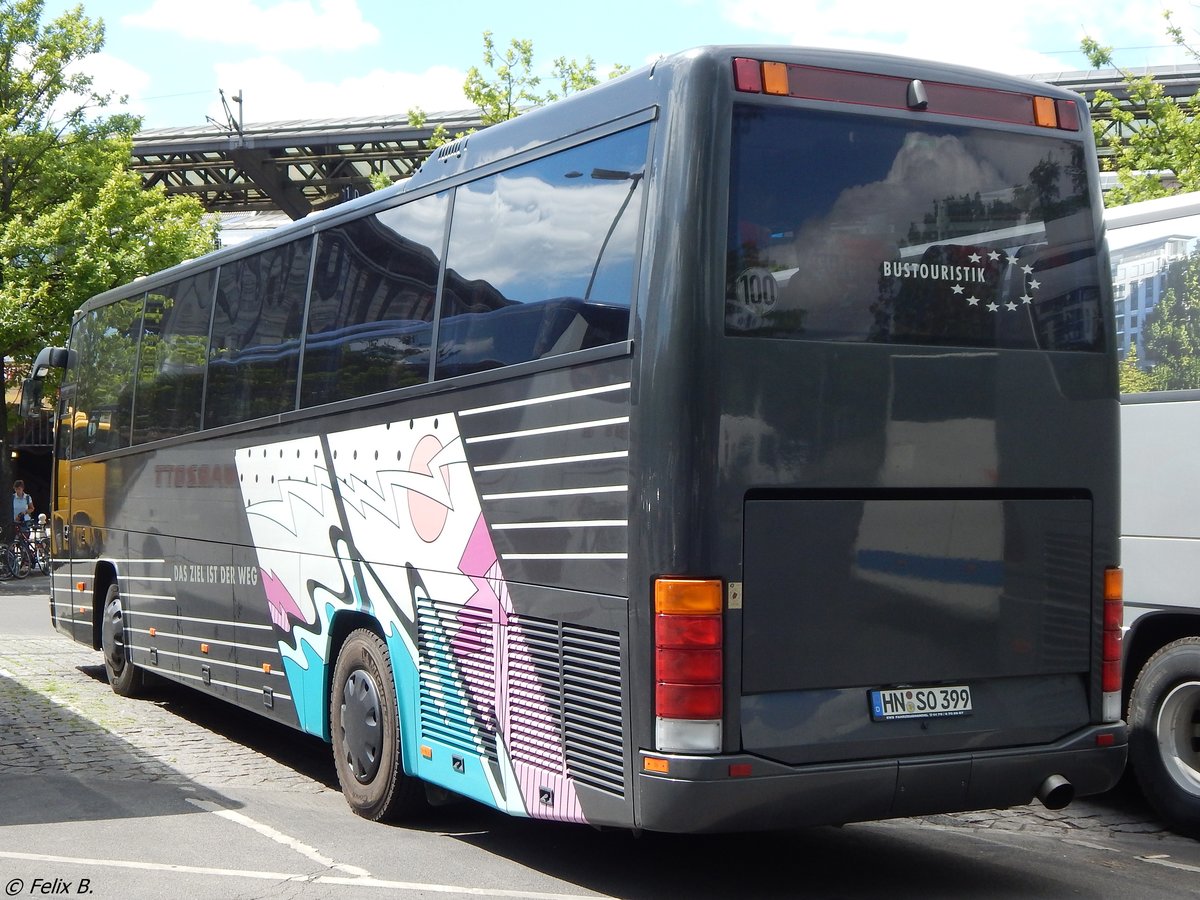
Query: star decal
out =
(993, 307)
(1010, 306)
(1034, 285)
(975, 257)
(972, 301)
(1027, 269)
(957, 289)
(993, 256)
(1026, 299)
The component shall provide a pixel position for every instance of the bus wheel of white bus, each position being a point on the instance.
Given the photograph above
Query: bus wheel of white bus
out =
(365, 728)
(1164, 736)
(124, 677)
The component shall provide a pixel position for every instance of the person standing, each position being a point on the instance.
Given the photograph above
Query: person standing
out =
(22, 502)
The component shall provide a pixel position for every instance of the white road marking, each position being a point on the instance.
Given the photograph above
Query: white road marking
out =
(398, 886)
(279, 837)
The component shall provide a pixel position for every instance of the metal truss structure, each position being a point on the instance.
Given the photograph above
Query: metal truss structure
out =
(296, 167)
(302, 166)
(1178, 82)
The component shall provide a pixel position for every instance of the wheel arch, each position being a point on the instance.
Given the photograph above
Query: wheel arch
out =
(105, 576)
(1150, 633)
(344, 622)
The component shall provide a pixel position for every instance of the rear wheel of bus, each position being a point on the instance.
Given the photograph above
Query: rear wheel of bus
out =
(365, 730)
(1164, 739)
(123, 676)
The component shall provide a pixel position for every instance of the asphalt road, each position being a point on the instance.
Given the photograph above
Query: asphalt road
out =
(179, 795)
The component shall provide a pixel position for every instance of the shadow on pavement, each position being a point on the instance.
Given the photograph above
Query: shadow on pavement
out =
(57, 766)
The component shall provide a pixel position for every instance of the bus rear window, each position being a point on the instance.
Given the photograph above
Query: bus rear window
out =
(855, 228)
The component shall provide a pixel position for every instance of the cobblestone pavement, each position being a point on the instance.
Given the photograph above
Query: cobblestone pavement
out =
(57, 711)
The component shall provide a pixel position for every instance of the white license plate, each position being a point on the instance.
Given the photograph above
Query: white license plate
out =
(920, 702)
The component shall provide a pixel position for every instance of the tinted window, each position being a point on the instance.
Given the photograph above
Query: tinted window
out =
(874, 229)
(170, 386)
(254, 354)
(372, 303)
(541, 257)
(105, 344)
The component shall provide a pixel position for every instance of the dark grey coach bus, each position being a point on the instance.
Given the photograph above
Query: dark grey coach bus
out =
(731, 445)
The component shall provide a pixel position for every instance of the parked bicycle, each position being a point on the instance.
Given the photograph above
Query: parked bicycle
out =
(29, 549)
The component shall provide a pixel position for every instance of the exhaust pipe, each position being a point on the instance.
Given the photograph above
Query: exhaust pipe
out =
(1056, 792)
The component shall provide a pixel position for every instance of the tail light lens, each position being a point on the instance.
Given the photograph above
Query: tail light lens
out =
(1110, 665)
(688, 664)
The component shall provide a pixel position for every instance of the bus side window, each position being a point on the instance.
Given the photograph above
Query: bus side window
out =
(254, 352)
(170, 384)
(542, 257)
(371, 310)
(104, 391)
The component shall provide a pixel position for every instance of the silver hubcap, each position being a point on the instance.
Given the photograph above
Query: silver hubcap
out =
(1178, 732)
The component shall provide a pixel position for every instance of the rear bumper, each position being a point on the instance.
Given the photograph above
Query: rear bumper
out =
(699, 794)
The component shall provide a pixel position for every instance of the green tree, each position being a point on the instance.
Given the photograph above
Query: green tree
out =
(74, 220)
(509, 85)
(1132, 378)
(1162, 135)
(1172, 330)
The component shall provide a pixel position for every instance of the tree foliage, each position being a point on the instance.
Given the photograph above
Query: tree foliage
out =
(1172, 330)
(509, 84)
(1160, 152)
(74, 220)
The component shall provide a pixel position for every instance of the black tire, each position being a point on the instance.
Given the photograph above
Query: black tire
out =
(365, 728)
(20, 561)
(1164, 733)
(124, 677)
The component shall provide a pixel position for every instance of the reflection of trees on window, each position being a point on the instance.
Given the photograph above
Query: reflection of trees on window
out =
(1172, 333)
(865, 228)
(170, 387)
(371, 310)
(254, 354)
(105, 345)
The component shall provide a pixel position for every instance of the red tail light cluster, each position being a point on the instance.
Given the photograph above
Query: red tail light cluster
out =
(1110, 666)
(688, 663)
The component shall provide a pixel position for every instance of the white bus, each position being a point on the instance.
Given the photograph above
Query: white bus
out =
(1155, 250)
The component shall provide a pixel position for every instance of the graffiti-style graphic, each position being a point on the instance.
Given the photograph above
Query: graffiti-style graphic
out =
(386, 520)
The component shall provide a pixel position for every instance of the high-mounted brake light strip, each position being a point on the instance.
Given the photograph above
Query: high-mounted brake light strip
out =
(754, 76)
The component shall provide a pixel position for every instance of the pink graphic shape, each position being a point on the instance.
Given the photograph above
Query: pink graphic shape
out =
(280, 603)
(428, 515)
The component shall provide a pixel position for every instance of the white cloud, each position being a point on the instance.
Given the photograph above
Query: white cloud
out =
(283, 26)
(122, 79)
(273, 91)
(1020, 37)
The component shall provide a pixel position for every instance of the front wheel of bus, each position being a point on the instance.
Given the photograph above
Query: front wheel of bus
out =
(365, 728)
(123, 676)
(1164, 733)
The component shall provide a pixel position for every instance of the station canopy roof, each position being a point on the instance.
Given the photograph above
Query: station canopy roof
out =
(294, 167)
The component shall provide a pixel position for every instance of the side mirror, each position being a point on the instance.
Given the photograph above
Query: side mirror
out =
(31, 397)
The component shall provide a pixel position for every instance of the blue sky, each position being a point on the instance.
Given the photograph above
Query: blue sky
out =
(313, 59)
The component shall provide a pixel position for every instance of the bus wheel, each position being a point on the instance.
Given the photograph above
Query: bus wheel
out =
(365, 728)
(1164, 736)
(124, 677)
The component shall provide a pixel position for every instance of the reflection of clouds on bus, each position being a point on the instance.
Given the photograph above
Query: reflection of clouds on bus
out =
(540, 223)
(837, 255)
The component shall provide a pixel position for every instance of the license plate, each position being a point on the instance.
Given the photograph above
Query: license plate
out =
(920, 702)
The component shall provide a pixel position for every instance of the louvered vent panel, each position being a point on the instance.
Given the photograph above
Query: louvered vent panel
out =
(565, 691)
(592, 707)
(458, 693)
(1068, 565)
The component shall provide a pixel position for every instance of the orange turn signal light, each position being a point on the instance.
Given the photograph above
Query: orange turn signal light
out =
(688, 595)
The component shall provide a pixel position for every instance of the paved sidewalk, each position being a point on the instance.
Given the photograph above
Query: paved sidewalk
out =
(58, 714)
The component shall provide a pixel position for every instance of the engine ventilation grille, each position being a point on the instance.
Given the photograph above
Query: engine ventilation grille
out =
(565, 701)
(456, 646)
